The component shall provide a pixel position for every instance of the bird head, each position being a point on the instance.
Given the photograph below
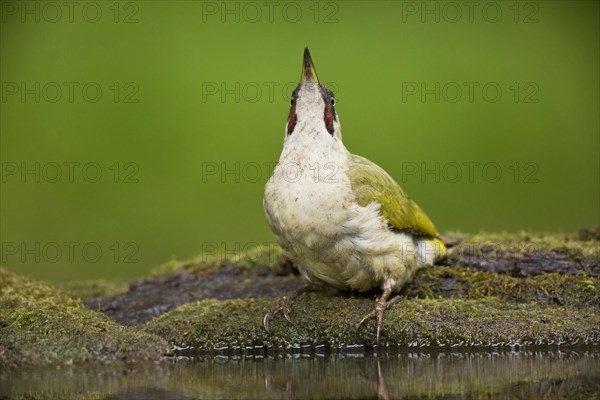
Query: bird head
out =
(312, 106)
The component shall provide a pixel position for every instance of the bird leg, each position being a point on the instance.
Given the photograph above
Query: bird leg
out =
(381, 305)
(284, 307)
(382, 391)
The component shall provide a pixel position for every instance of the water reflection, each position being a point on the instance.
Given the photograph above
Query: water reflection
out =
(354, 373)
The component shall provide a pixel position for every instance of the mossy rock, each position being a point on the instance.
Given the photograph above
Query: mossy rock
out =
(332, 321)
(41, 325)
(548, 288)
(269, 255)
(89, 289)
(497, 290)
(530, 253)
(526, 303)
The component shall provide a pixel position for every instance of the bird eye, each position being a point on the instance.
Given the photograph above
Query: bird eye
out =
(332, 101)
(292, 101)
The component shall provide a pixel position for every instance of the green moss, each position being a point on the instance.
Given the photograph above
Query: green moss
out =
(85, 290)
(332, 321)
(550, 288)
(41, 325)
(578, 248)
(259, 254)
(443, 306)
(575, 246)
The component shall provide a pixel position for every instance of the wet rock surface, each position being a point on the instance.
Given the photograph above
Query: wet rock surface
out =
(527, 263)
(494, 290)
(149, 298)
(522, 255)
(40, 325)
(502, 256)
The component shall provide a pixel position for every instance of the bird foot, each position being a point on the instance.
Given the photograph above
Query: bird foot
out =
(380, 306)
(283, 307)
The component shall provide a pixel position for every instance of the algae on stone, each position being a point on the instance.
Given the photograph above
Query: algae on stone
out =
(550, 288)
(442, 306)
(90, 289)
(499, 289)
(40, 325)
(530, 253)
(332, 321)
(492, 252)
(266, 254)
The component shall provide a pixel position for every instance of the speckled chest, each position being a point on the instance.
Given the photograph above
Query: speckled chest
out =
(309, 197)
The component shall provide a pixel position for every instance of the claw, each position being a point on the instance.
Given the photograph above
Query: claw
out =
(266, 322)
(367, 317)
(379, 325)
(377, 313)
(286, 314)
(380, 306)
(268, 317)
(284, 307)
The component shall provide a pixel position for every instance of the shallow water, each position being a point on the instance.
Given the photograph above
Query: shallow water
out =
(352, 373)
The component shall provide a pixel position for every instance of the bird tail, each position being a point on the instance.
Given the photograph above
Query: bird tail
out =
(436, 249)
(450, 241)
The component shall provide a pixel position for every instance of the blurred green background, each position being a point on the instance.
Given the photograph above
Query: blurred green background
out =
(160, 98)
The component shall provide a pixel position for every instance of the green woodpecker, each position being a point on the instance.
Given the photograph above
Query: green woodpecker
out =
(341, 219)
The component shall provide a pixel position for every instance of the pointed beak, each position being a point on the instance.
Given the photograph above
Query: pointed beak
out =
(308, 69)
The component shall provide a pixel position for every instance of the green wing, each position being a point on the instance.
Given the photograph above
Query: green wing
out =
(371, 184)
